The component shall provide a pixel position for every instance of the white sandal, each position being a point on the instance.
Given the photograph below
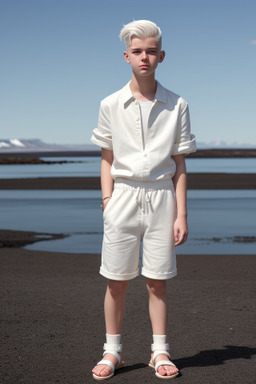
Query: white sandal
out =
(159, 350)
(114, 350)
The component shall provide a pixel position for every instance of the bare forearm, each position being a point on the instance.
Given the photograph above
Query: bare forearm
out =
(180, 185)
(106, 178)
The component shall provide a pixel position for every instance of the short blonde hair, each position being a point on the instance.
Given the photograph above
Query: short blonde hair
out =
(140, 29)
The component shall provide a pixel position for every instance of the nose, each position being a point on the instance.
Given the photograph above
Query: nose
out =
(144, 55)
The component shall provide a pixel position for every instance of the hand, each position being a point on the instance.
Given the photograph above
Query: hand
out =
(180, 230)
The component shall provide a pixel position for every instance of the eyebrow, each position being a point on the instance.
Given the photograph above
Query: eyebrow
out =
(150, 48)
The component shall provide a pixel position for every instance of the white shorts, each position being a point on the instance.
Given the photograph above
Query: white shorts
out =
(139, 211)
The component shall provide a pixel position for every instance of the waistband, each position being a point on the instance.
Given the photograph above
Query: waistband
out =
(147, 185)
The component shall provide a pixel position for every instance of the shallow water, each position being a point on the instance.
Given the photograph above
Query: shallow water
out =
(90, 166)
(216, 220)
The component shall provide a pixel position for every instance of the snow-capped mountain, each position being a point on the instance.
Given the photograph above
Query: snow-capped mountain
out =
(37, 146)
(19, 143)
(10, 146)
(221, 144)
(11, 143)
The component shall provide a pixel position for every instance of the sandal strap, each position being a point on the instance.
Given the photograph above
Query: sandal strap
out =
(113, 347)
(159, 352)
(115, 354)
(162, 347)
(107, 362)
(164, 362)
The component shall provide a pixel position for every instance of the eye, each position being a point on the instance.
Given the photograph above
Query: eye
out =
(152, 52)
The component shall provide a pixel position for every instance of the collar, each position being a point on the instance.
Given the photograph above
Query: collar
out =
(128, 97)
(160, 93)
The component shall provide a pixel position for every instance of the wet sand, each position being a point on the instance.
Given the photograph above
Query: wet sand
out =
(53, 328)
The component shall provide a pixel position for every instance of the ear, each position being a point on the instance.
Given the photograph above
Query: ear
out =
(162, 56)
(126, 57)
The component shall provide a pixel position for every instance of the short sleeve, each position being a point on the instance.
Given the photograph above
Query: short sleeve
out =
(102, 134)
(185, 142)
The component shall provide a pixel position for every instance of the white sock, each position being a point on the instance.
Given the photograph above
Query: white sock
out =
(159, 339)
(113, 339)
(159, 343)
(113, 343)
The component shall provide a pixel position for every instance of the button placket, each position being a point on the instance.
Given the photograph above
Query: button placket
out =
(138, 123)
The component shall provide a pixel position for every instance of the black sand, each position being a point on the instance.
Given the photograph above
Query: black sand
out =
(52, 326)
(195, 181)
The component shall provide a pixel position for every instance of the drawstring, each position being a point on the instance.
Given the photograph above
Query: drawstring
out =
(143, 199)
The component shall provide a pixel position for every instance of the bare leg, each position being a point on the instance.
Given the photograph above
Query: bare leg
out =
(114, 312)
(114, 305)
(158, 316)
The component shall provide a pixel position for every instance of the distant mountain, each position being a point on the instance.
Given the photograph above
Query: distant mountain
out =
(220, 144)
(38, 148)
(23, 146)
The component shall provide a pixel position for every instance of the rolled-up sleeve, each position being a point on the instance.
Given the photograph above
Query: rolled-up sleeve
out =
(185, 142)
(102, 134)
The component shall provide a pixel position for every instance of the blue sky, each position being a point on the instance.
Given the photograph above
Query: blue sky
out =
(59, 58)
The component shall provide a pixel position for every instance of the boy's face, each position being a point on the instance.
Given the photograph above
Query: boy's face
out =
(144, 55)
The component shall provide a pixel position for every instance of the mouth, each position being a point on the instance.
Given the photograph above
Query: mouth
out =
(144, 66)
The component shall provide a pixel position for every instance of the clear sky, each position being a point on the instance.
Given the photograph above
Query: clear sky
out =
(59, 58)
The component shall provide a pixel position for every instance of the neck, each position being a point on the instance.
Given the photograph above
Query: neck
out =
(143, 88)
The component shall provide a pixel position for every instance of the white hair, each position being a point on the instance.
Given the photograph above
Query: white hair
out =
(140, 29)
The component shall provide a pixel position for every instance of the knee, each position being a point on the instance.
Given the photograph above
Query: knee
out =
(156, 287)
(117, 288)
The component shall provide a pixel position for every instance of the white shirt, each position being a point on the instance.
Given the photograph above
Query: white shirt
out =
(145, 108)
(120, 130)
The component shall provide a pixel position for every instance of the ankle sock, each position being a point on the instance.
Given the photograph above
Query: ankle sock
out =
(113, 339)
(113, 343)
(159, 343)
(159, 339)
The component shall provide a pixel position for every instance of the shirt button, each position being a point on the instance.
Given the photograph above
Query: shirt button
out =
(145, 155)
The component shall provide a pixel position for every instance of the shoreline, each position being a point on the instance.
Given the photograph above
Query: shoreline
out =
(194, 180)
(200, 153)
(18, 238)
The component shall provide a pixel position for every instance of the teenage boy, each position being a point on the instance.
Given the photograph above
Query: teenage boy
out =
(144, 133)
